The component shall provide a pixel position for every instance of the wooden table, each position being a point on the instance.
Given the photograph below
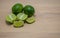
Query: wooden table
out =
(47, 23)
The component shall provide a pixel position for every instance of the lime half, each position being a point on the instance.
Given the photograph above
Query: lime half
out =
(10, 18)
(22, 16)
(18, 23)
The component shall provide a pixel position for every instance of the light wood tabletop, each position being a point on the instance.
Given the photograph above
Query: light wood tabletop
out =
(47, 24)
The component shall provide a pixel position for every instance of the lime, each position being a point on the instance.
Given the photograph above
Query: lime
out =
(18, 23)
(17, 8)
(29, 10)
(10, 18)
(30, 20)
(22, 16)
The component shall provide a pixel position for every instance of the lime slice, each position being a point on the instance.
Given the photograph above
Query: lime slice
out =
(18, 23)
(10, 18)
(30, 20)
(22, 16)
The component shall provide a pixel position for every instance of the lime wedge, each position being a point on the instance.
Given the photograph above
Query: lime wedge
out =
(18, 23)
(30, 20)
(22, 16)
(10, 18)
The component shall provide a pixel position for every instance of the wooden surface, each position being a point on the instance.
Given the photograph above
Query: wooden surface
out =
(47, 23)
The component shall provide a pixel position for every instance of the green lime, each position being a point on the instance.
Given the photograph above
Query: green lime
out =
(29, 10)
(22, 16)
(30, 20)
(17, 8)
(10, 18)
(18, 23)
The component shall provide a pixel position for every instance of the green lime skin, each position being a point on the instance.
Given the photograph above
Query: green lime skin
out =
(29, 10)
(22, 16)
(11, 18)
(18, 24)
(17, 8)
(30, 20)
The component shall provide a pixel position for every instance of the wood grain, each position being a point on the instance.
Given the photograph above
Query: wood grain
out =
(47, 23)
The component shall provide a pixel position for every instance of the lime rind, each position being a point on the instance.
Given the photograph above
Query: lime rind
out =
(18, 23)
(22, 16)
(10, 18)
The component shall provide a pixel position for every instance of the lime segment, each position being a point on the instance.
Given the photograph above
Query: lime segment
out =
(22, 16)
(30, 20)
(10, 18)
(18, 23)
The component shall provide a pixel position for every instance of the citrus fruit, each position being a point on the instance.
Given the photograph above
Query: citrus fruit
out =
(30, 20)
(18, 23)
(10, 18)
(29, 10)
(17, 8)
(22, 16)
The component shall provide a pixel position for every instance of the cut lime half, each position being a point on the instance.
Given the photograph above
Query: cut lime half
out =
(18, 23)
(22, 16)
(30, 20)
(10, 18)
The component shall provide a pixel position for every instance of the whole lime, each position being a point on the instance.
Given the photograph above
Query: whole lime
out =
(29, 10)
(17, 8)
